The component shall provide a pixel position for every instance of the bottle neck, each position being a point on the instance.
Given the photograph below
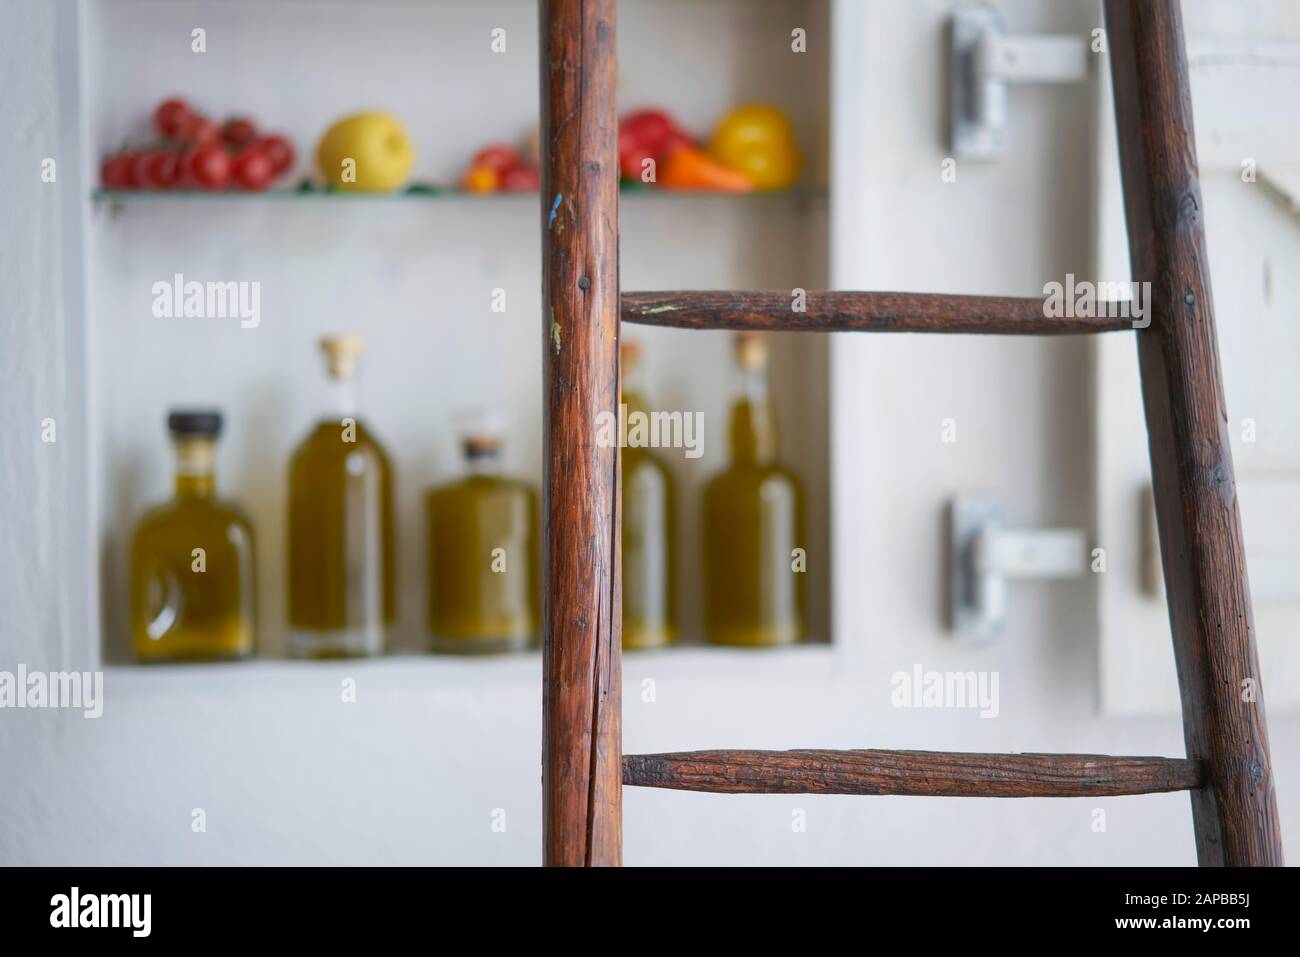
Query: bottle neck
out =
(634, 401)
(342, 398)
(753, 424)
(194, 474)
(633, 395)
(482, 463)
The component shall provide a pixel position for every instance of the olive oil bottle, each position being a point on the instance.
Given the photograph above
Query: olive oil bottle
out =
(649, 595)
(484, 579)
(342, 599)
(753, 523)
(192, 576)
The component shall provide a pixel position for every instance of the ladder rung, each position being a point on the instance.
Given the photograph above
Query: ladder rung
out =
(863, 312)
(933, 773)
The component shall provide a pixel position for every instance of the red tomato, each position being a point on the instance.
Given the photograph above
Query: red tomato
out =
(631, 159)
(280, 151)
(675, 139)
(521, 179)
(649, 129)
(253, 169)
(158, 169)
(208, 166)
(118, 171)
(239, 132)
(627, 143)
(199, 129)
(496, 157)
(171, 117)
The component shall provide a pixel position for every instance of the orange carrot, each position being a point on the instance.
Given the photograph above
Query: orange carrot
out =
(689, 168)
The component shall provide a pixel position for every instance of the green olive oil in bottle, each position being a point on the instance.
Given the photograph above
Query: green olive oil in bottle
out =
(649, 593)
(342, 595)
(753, 522)
(484, 576)
(192, 575)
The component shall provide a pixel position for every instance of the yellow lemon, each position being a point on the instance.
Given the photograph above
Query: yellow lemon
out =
(370, 152)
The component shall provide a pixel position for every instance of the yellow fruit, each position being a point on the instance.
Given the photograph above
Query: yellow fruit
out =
(369, 152)
(759, 141)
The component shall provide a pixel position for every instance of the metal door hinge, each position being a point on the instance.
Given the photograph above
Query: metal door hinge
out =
(982, 60)
(984, 557)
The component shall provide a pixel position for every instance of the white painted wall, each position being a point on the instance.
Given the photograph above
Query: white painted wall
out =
(413, 771)
(41, 351)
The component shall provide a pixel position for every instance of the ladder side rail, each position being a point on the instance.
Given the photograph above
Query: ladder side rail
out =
(1201, 546)
(581, 617)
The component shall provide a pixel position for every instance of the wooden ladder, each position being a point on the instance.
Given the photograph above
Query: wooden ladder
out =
(1226, 770)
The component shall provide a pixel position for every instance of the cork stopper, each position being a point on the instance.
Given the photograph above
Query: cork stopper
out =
(629, 355)
(481, 432)
(341, 354)
(751, 350)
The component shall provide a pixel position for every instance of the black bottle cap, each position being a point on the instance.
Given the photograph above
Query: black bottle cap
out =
(194, 422)
(481, 446)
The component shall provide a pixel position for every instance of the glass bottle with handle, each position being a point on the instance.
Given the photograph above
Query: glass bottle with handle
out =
(192, 571)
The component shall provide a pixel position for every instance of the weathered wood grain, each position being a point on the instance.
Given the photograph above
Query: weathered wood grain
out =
(1201, 547)
(862, 312)
(581, 644)
(932, 773)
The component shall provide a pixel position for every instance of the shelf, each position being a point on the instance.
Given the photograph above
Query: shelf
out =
(809, 661)
(425, 194)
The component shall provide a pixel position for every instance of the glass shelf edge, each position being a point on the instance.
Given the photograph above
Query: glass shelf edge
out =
(285, 195)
